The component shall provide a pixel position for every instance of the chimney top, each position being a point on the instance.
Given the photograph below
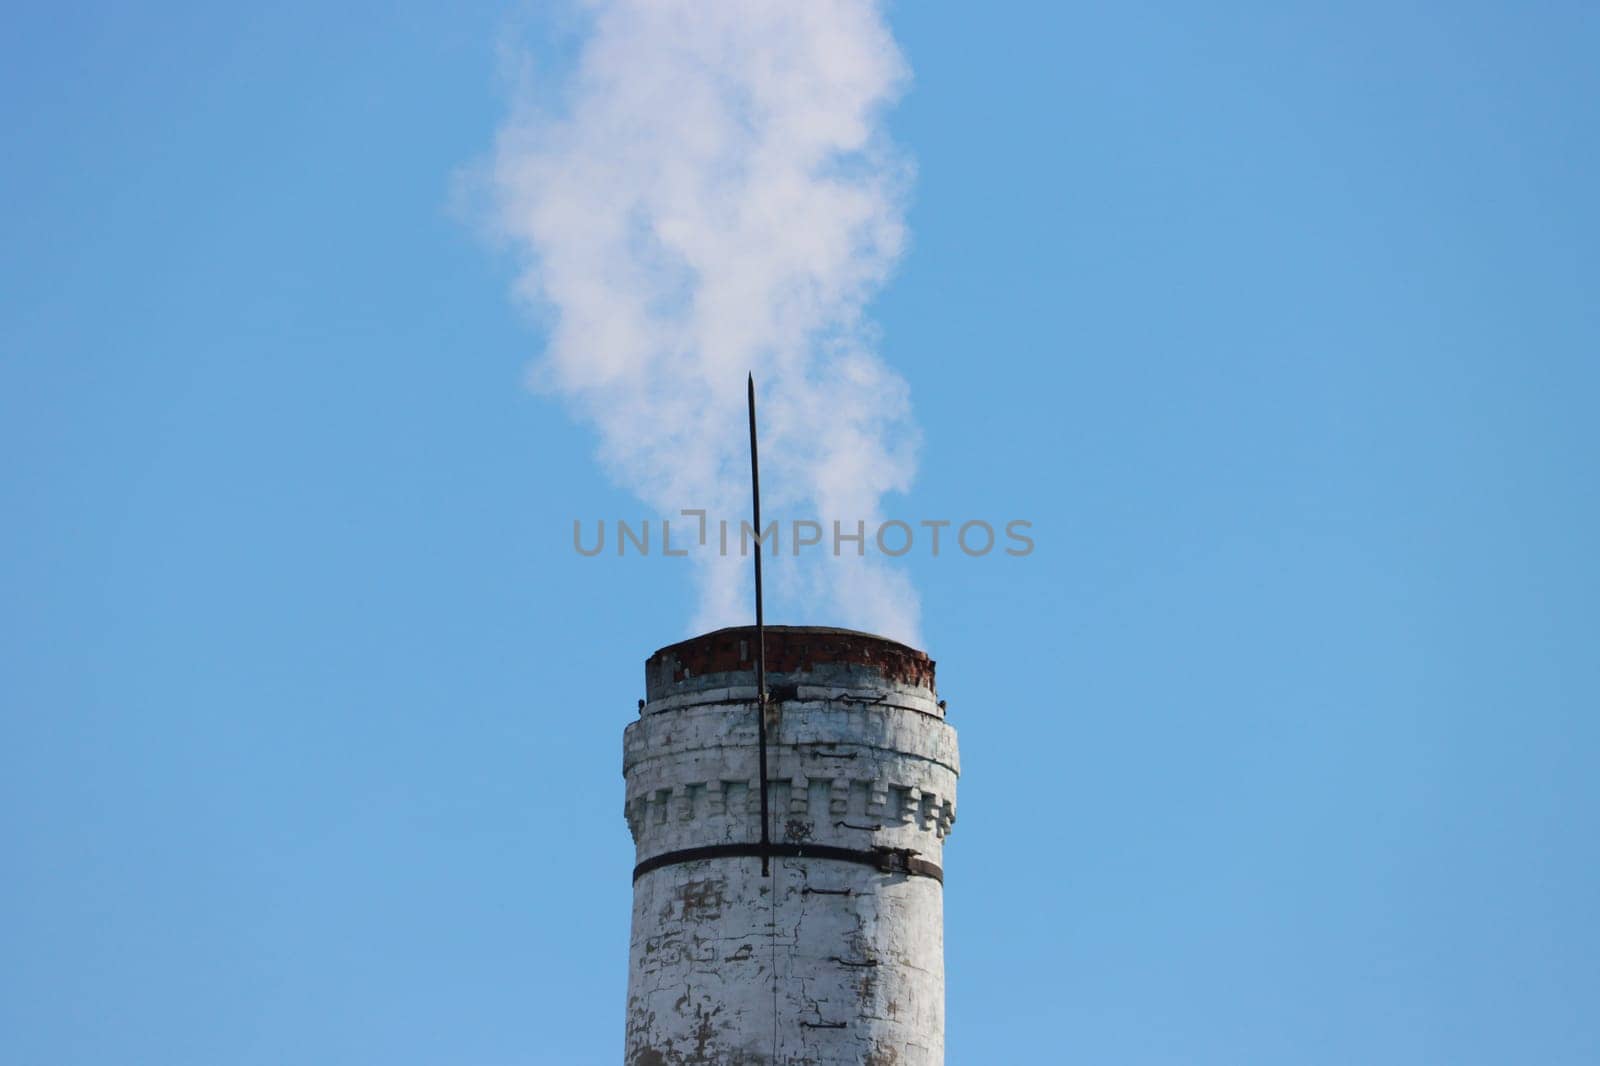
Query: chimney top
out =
(791, 650)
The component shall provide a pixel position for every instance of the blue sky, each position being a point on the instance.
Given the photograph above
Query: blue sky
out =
(1276, 320)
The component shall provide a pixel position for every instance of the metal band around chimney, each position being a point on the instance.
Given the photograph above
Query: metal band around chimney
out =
(885, 860)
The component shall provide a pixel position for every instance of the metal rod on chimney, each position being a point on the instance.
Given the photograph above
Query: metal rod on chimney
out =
(761, 638)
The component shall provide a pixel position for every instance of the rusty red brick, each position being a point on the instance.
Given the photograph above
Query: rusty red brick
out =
(791, 650)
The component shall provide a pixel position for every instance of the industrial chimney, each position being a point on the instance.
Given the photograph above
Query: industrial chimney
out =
(835, 954)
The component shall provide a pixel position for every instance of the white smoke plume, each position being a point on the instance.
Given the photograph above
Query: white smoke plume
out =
(712, 191)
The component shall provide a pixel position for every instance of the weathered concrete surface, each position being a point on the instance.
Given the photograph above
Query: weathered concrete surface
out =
(826, 961)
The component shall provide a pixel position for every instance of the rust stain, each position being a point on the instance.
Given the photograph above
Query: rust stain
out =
(790, 650)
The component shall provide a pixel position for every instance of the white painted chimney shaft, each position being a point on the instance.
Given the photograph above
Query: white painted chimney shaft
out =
(838, 956)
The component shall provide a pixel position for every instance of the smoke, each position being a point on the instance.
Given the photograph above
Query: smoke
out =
(712, 191)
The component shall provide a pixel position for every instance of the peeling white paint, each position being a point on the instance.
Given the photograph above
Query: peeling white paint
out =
(825, 961)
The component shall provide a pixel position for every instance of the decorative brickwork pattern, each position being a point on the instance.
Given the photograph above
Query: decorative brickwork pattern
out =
(826, 960)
